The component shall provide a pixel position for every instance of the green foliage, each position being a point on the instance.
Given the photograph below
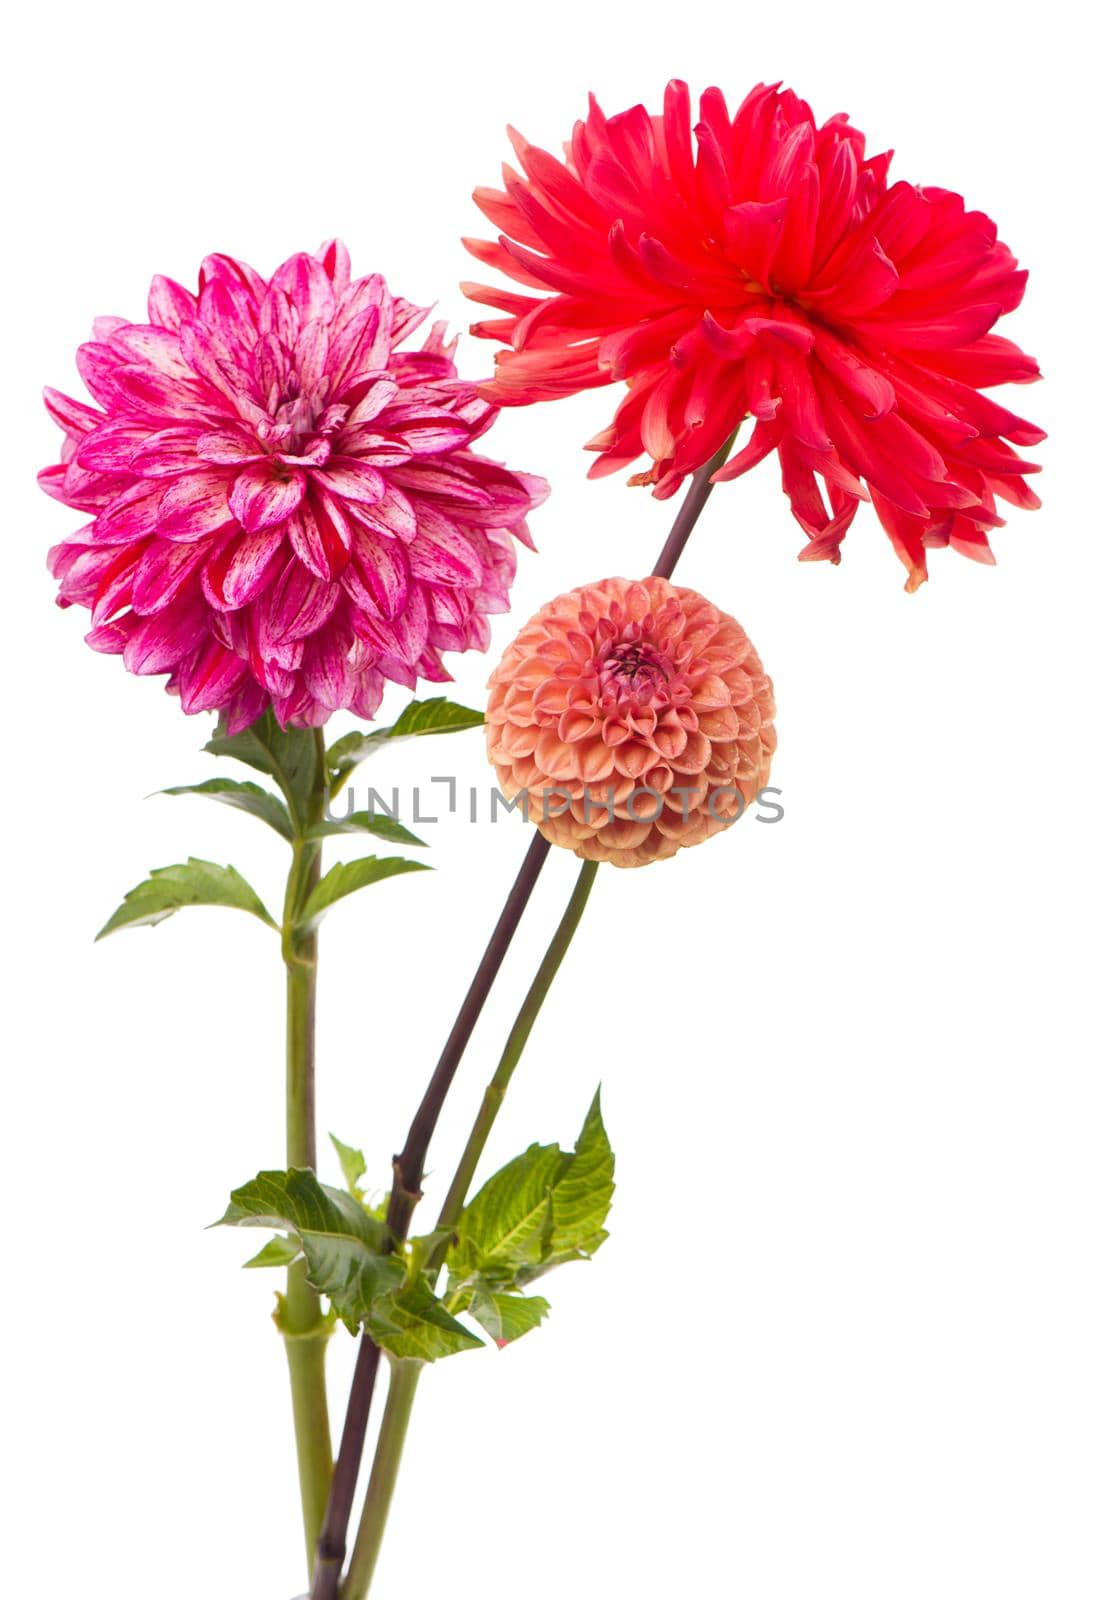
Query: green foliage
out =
(348, 1258)
(352, 1165)
(418, 717)
(289, 755)
(245, 797)
(546, 1207)
(372, 822)
(189, 883)
(506, 1317)
(345, 1248)
(415, 1326)
(344, 879)
(277, 1252)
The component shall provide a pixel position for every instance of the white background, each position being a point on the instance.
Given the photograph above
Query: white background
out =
(842, 1340)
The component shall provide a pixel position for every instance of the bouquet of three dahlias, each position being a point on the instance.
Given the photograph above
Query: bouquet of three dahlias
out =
(286, 510)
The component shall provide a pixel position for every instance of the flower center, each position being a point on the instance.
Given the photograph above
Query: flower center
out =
(636, 669)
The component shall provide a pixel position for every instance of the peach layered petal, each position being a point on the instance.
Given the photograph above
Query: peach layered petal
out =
(633, 718)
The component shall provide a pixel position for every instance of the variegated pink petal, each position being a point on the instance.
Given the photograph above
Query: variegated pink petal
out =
(285, 508)
(265, 494)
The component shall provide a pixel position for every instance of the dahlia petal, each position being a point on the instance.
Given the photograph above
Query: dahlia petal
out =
(51, 480)
(373, 401)
(311, 355)
(352, 479)
(163, 571)
(133, 514)
(359, 348)
(195, 505)
(210, 678)
(265, 494)
(227, 449)
(307, 286)
(161, 642)
(987, 361)
(111, 638)
(170, 305)
(959, 327)
(152, 347)
(441, 553)
(379, 573)
(241, 569)
(334, 258)
(152, 394)
(857, 376)
(325, 669)
(97, 364)
(213, 360)
(71, 415)
(296, 606)
(320, 543)
(116, 581)
(166, 452)
(392, 514)
(111, 447)
(434, 435)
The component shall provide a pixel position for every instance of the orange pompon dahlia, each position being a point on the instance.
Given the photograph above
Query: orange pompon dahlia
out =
(631, 719)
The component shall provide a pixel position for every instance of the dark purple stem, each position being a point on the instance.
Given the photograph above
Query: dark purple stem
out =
(408, 1172)
(408, 1166)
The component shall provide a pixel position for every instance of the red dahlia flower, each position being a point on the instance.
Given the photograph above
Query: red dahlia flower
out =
(768, 269)
(285, 506)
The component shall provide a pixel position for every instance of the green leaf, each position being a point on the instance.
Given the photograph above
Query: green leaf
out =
(376, 823)
(352, 1164)
(414, 1326)
(505, 1226)
(277, 1252)
(347, 876)
(345, 1248)
(544, 1208)
(289, 755)
(506, 1317)
(189, 883)
(347, 1258)
(245, 797)
(582, 1197)
(418, 717)
(434, 716)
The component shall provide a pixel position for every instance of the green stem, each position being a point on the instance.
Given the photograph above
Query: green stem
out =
(402, 1385)
(301, 1318)
(510, 1057)
(408, 1166)
(403, 1378)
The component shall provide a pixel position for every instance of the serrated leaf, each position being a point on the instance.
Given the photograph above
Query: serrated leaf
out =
(582, 1197)
(247, 797)
(277, 1252)
(414, 1326)
(345, 1248)
(188, 883)
(352, 1164)
(542, 1209)
(289, 755)
(437, 715)
(345, 878)
(506, 1317)
(375, 823)
(504, 1227)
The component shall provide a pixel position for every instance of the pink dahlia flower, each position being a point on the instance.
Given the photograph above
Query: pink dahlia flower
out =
(285, 508)
(767, 269)
(635, 718)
